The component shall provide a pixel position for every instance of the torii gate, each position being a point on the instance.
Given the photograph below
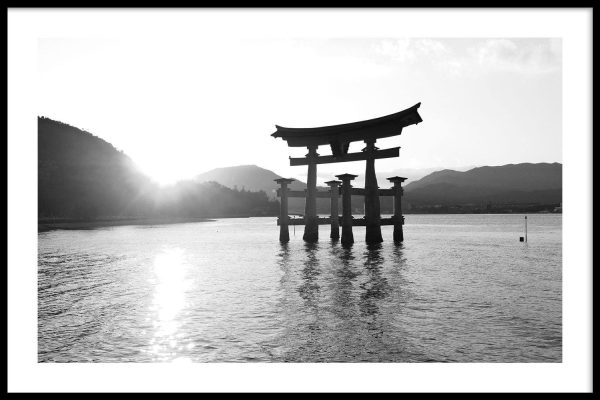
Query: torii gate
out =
(339, 137)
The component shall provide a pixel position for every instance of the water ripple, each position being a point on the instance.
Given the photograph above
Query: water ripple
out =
(459, 289)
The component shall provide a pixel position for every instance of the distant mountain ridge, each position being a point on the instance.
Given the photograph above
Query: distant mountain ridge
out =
(511, 183)
(247, 177)
(253, 177)
(524, 176)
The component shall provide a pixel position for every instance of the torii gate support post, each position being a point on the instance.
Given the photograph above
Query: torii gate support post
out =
(284, 232)
(398, 217)
(311, 223)
(372, 207)
(347, 236)
(335, 223)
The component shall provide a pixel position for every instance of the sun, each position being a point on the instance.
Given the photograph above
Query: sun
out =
(165, 170)
(180, 158)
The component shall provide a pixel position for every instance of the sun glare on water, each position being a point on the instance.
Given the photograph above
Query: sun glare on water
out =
(171, 284)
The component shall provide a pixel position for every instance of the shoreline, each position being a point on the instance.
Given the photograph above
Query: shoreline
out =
(46, 225)
(49, 225)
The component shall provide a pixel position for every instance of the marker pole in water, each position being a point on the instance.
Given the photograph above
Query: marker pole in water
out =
(526, 229)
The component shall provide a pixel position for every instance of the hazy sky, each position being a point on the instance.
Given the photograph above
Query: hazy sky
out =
(180, 105)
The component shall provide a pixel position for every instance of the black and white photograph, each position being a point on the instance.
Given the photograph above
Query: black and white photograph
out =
(299, 200)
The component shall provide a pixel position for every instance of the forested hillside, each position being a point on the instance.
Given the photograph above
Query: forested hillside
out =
(81, 176)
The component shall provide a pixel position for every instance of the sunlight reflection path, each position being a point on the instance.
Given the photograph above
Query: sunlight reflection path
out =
(169, 277)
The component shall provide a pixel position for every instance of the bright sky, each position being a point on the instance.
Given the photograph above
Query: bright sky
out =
(181, 104)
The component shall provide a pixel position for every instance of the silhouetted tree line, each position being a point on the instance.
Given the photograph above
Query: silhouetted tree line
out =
(81, 176)
(483, 209)
(296, 205)
(210, 199)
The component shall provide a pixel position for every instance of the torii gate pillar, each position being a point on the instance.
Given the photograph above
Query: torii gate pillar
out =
(372, 207)
(284, 233)
(335, 223)
(398, 217)
(311, 223)
(347, 236)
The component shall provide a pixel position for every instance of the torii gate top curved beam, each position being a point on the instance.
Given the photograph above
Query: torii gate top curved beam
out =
(339, 136)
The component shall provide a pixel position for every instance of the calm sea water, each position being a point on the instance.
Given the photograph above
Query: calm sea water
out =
(461, 288)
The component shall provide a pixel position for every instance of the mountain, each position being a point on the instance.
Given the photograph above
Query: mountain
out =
(412, 174)
(247, 177)
(252, 177)
(81, 176)
(525, 176)
(512, 183)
